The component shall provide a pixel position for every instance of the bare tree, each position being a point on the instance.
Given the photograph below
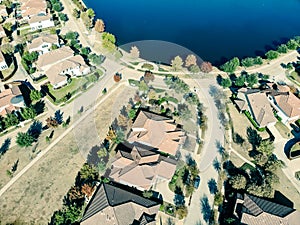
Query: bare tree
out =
(134, 52)
(190, 60)
(99, 26)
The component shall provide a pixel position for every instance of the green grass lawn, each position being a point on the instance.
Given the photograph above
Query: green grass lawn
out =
(283, 130)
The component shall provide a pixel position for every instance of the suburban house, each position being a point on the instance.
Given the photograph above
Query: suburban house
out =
(31, 8)
(158, 131)
(43, 43)
(115, 204)
(11, 100)
(3, 64)
(257, 104)
(40, 22)
(253, 210)
(2, 32)
(284, 102)
(60, 64)
(3, 12)
(141, 166)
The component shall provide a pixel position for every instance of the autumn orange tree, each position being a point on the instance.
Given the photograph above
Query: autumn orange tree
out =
(99, 26)
(206, 67)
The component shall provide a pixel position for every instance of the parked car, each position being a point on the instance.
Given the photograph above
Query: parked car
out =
(197, 182)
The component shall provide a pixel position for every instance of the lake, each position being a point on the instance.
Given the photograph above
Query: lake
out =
(215, 30)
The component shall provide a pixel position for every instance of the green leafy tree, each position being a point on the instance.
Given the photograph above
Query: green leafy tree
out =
(218, 198)
(108, 41)
(35, 95)
(143, 86)
(102, 152)
(231, 65)
(177, 63)
(76, 13)
(252, 79)
(96, 59)
(119, 137)
(24, 139)
(292, 44)
(247, 62)
(8, 26)
(11, 120)
(226, 83)
(131, 113)
(71, 35)
(86, 20)
(147, 194)
(90, 13)
(238, 181)
(266, 147)
(272, 54)
(194, 69)
(282, 48)
(62, 16)
(240, 81)
(88, 173)
(57, 7)
(85, 51)
(260, 159)
(181, 211)
(258, 60)
(28, 113)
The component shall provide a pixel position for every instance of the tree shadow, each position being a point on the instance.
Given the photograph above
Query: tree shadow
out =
(212, 186)
(179, 197)
(206, 209)
(58, 116)
(189, 160)
(5, 146)
(217, 165)
(39, 107)
(253, 137)
(93, 157)
(35, 129)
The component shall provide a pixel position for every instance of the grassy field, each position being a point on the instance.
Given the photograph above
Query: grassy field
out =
(39, 192)
(283, 130)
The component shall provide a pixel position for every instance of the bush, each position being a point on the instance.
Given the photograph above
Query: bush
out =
(272, 54)
(231, 66)
(258, 60)
(247, 62)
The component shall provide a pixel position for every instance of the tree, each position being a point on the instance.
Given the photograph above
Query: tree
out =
(252, 79)
(102, 152)
(120, 136)
(24, 139)
(177, 63)
(226, 83)
(8, 26)
(240, 81)
(238, 181)
(76, 13)
(184, 112)
(231, 66)
(51, 122)
(11, 120)
(6, 40)
(218, 199)
(86, 20)
(88, 174)
(8, 49)
(143, 86)
(266, 147)
(85, 51)
(35, 95)
(181, 211)
(57, 7)
(62, 16)
(272, 54)
(147, 194)
(273, 164)
(148, 76)
(189, 190)
(247, 62)
(71, 35)
(96, 59)
(87, 190)
(134, 52)
(206, 67)
(108, 41)
(99, 26)
(91, 13)
(131, 113)
(292, 44)
(8, 3)
(28, 113)
(282, 48)
(258, 60)
(190, 60)
(260, 159)
(194, 69)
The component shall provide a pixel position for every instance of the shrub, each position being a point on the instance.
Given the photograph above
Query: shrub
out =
(272, 54)
(231, 65)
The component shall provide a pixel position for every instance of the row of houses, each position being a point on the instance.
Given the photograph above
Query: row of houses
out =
(264, 104)
(137, 167)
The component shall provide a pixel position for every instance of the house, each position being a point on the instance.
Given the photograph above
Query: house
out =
(3, 64)
(253, 210)
(59, 73)
(60, 64)
(142, 166)
(257, 104)
(284, 102)
(115, 204)
(11, 100)
(40, 22)
(2, 32)
(31, 8)
(157, 131)
(43, 43)
(3, 12)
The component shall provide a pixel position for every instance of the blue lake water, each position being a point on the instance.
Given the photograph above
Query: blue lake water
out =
(215, 30)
